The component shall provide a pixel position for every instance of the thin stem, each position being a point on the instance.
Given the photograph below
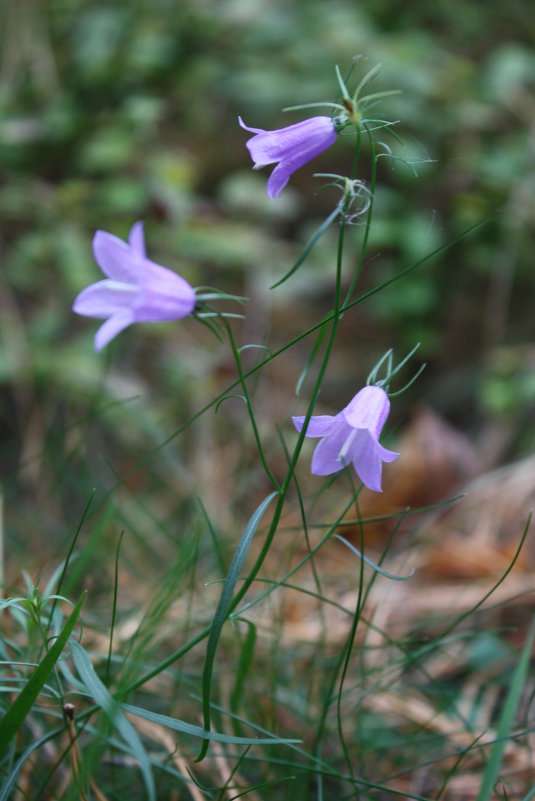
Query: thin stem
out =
(369, 215)
(347, 651)
(114, 609)
(249, 405)
(336, 316)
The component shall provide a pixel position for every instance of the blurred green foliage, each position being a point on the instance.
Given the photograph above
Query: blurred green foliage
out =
(112, 112)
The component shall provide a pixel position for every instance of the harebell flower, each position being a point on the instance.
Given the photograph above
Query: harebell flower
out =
(291, 147)
(352, 437)
(136, 290)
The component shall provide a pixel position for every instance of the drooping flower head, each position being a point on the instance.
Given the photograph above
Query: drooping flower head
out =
(291, 147)
(352, 437)
(136, 290)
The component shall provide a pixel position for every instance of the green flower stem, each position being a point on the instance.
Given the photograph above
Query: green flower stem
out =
(345, 655)
(336, 316)
(249, 404)
(368, 219)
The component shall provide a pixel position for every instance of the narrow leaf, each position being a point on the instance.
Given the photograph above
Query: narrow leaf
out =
(492, 768)
(244, 663)
(112, 710)
(223, 607)
(310, 244)
(11, 779)
(373, 565)
(197, 731)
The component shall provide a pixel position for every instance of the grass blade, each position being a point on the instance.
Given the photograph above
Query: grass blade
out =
(112, 710)
(197, 731)
(506, 721)
(223, 607)
(244, 665)
(14, 717)
(9, 782)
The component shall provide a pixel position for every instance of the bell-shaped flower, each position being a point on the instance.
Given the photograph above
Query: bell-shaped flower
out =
(352, 437)
(136, 290)
(291, 147)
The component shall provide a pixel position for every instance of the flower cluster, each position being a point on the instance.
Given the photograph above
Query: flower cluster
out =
(137, 290)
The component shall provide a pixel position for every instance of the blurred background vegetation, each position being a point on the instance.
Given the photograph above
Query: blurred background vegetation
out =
(112, 112)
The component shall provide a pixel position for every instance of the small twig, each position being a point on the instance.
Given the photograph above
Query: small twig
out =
(68, 711)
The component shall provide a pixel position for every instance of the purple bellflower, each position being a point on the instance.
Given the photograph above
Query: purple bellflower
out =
(136, 290)
(352, 436)
(291, 147)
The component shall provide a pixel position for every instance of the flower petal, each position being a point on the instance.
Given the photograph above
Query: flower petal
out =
(313, 135)
(163, 295)
(104, 298)
(366, 460)
(116, 259)
(318, 426)
(136, 239)
(386, 455)
(278, 180)
(253, 130)
(368, 456)
(368, 410)
(291, 162)
(326, 456)
(112, 327)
